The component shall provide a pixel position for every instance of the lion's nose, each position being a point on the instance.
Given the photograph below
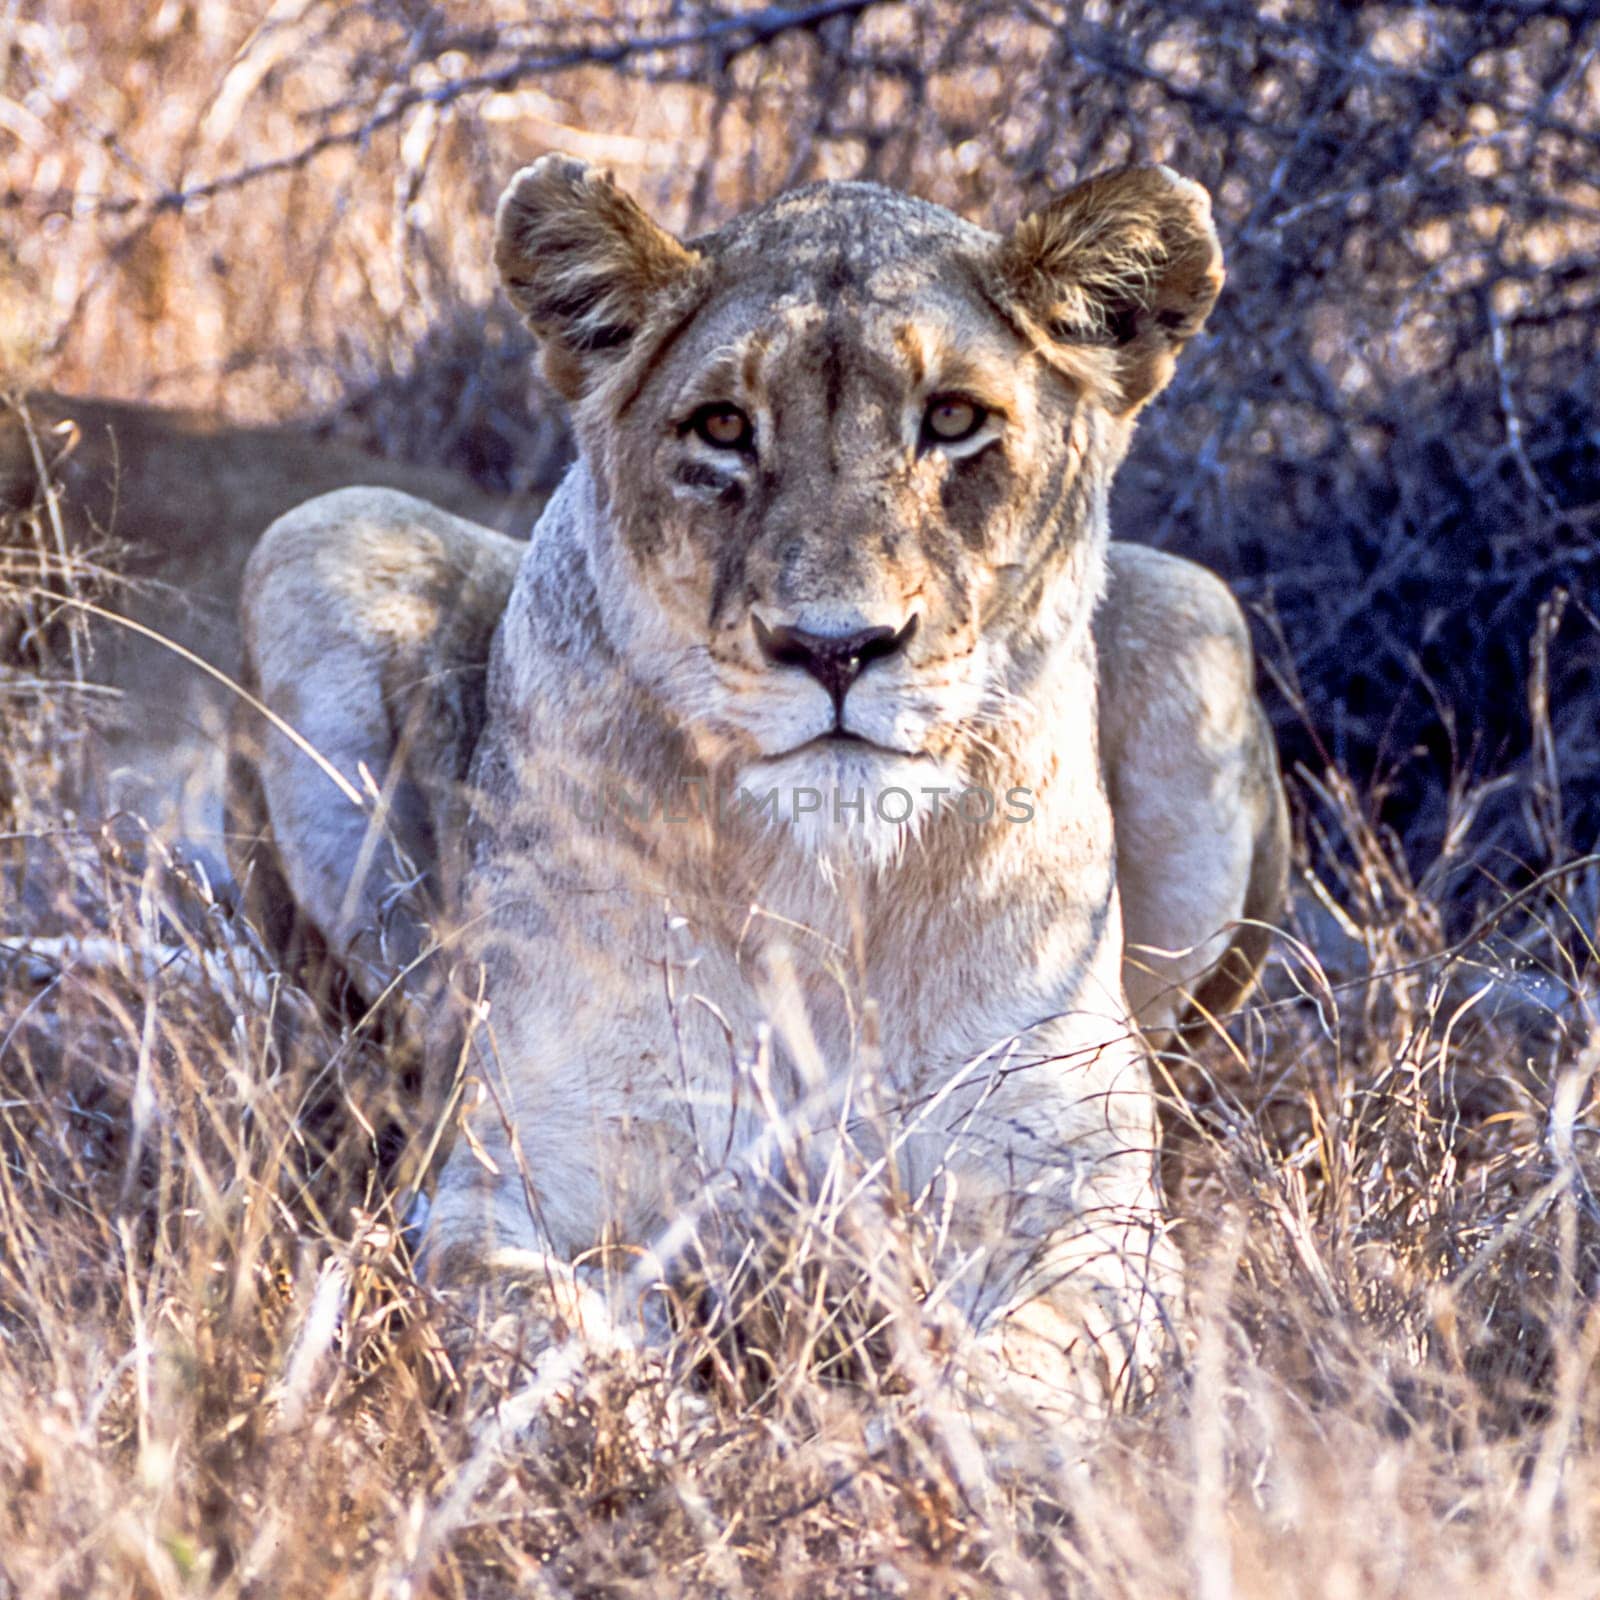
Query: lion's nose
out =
(834, 660)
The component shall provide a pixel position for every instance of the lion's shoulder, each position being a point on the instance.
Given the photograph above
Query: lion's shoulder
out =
(1172, 638)
(411, 567)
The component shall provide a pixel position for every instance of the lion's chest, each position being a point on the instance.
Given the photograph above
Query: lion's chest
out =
(805, 1016)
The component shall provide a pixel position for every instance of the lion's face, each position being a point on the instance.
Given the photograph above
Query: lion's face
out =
(853, 453)
(833, 484)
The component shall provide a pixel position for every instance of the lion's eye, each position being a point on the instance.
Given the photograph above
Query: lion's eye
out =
(724, 427)
(950, 418)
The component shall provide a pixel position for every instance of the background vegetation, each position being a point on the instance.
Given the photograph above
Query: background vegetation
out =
(215, 1371)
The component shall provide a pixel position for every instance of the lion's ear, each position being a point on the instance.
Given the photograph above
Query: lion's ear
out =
(1128, 261)
(582, 263)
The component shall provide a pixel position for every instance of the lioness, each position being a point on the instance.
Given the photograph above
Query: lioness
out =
(819, 695)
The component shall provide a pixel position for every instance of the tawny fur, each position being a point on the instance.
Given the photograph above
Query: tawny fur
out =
(1003, 958)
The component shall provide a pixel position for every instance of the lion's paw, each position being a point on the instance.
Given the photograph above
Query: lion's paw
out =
(543, 1364)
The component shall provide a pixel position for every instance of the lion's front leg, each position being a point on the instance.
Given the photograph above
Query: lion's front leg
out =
(573, 1136)
(544, 1335)
(1095, 1323)
(1076, 1287)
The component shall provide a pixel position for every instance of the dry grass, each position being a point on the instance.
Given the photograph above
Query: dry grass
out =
(217, 1373)
(220, 1376)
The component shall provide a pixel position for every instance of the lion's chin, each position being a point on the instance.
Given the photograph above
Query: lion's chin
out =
(845, 799)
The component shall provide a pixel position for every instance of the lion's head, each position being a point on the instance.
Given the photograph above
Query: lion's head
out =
(851, 453)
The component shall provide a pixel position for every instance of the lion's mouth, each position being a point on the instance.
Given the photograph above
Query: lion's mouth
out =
(852, 749)
(839, 738)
